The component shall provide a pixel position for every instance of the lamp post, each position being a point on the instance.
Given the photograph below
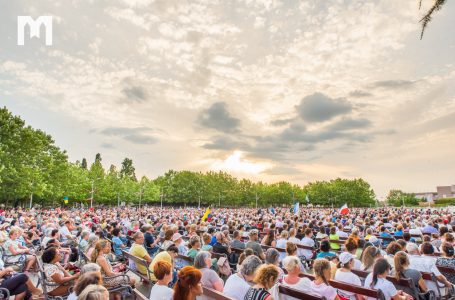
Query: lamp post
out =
(92, 191)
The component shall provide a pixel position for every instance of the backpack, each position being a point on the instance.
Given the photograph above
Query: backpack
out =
(223, 266)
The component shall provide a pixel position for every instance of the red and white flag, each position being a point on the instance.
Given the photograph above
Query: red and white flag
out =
(344, 210)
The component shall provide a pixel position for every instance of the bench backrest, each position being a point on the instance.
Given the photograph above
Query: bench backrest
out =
(357, 289)
(213, 294)
(297, 293)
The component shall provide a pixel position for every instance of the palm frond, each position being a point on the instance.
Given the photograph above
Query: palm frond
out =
(428, 16)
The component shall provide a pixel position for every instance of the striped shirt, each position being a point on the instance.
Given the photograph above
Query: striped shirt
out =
(257, 294)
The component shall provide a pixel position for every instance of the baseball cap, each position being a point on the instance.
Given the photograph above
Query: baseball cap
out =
(345, 257)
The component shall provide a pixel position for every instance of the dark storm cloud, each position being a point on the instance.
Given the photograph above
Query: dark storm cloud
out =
(319, 108)
(218, 117)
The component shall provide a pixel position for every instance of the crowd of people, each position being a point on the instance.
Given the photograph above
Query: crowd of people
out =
(246, 254)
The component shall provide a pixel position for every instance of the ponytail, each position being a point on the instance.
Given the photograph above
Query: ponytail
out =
(380, 267)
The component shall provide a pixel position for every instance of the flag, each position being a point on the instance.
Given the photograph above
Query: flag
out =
(206, 214)
(344, 210)
(272, 210)
(307, 199)
(296, 208)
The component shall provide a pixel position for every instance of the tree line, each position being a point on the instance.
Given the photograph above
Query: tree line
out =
(33, 170)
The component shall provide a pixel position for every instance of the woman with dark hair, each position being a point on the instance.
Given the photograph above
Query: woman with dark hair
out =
(447, 260)
(55, 273)
(325, 250)
(188, 284)
(377, 280)
(269, 239)
(320, 286)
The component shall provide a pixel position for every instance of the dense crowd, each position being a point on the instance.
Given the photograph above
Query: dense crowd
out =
(245, 254)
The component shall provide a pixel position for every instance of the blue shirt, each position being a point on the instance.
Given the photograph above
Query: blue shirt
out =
(117, 245)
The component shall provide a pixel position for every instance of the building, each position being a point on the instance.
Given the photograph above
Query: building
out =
(441, 193)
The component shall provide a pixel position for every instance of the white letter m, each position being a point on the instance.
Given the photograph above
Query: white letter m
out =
(35, 26)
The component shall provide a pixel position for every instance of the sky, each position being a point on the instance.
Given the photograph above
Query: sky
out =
(269, 90)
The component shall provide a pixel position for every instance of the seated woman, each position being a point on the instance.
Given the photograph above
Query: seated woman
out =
(210, 278)
(369, 256)
(206, 238)
(265, 279)
(188, 285)
(92, 241)
(66, 252)
(163, 273)
(83, 242)
(237, 285)
(247, 252)
(320, 286)
(103, 248)
(272, 256)
(344, 274)
(118, 243)
(292, 265)
(86, 279)
(377, 280)
(56, 274)
(195, 244)
(15, 250)
(325, 250)
(402, 270)
(447, 260)
(18, 285)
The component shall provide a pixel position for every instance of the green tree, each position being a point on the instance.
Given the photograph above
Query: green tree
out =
(398, 198)
(128, 170)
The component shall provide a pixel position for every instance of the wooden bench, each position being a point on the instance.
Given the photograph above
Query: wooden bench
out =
(213, 294)
(298, 294)
(268, 247)
(137, 261)
(357, 289)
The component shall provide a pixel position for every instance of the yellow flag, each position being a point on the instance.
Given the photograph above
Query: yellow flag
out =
(206, 214)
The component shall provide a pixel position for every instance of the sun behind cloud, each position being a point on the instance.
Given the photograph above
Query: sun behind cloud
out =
(236, 163)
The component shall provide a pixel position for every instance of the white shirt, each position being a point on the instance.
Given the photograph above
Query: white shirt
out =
(304, 285)
(342, 233)
(236, 287)
(306, 241)
(347, 277)
(161, 292)
(281, 243)
(425, 264)
(387, 288)
(323, 290)
(64, 231)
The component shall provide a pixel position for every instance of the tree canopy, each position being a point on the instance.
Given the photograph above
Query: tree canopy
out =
(33, 168)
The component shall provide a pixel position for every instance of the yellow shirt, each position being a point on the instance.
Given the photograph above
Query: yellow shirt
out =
(139, 251)
(162, 256)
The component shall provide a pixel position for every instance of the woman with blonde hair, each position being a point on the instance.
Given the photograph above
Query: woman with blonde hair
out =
(402, 270)
(92, 241)
(292, 265)
(369, 256)
(103, 248)
(94, 292)
(14, 249)
(265, 279)
(188, 285)
(320, 286)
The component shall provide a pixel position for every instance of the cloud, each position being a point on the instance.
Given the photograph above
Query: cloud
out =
(360, 94)
(282, 170)
(394, 84)
(349, 124)
(281, 122)
(135, 93)
(107, 146)
(137, 135)
(218, 117)
(225, 143)
(319, 108)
